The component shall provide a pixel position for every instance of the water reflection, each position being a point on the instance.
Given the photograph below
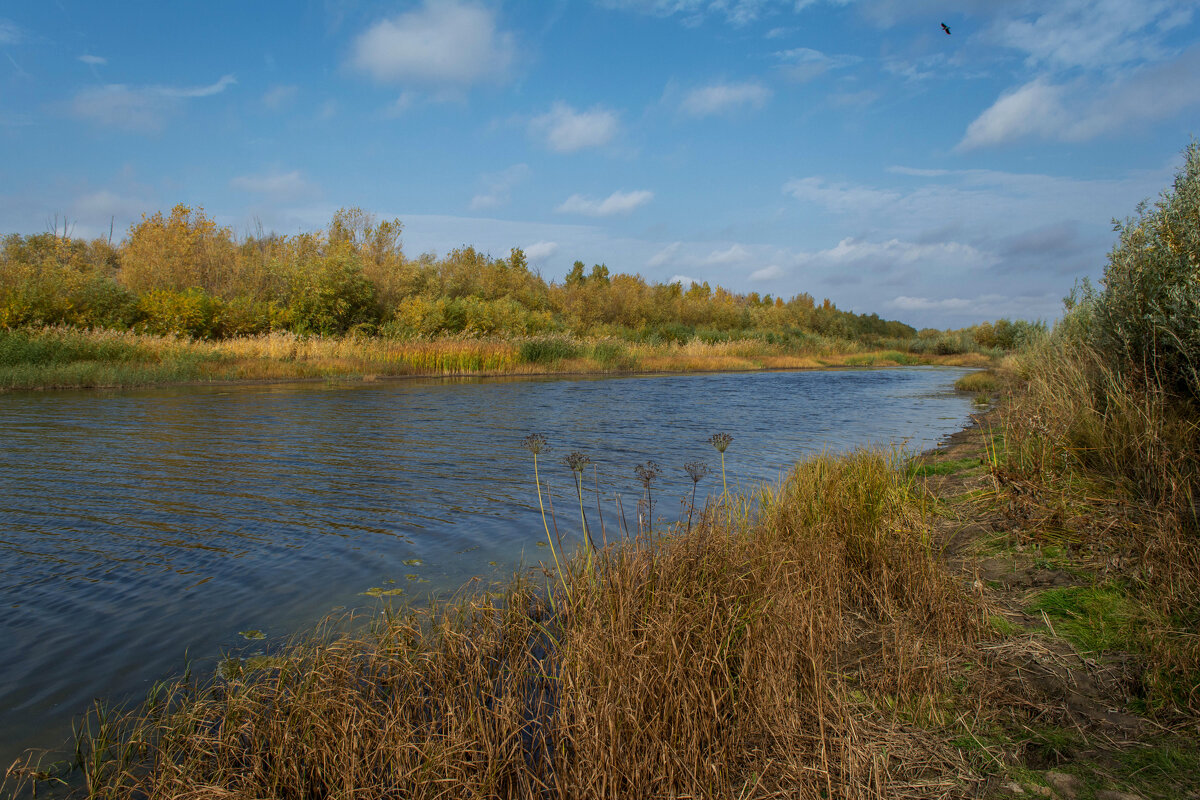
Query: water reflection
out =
(138, 526)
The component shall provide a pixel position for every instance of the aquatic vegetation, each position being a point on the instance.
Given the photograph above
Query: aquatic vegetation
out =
(379, 591)
(252, 635)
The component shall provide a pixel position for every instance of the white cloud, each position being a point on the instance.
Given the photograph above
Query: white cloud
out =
(734, 254)
(138, 108)
(804, 63)
(724, 97)
(905, 303)
(1090, 34)
(616, 203)
(441, 42)
(683, 280)
(737, 12)
(401, 104)
(278, 97)
(277, 185)
(498, 186)
(767, 273)
(980, 205)
(566, 130)
(839, 196)
(1083, 110)
(886, 255)
(93, 61)
(664, 256)
(195, 91)
(540, 251)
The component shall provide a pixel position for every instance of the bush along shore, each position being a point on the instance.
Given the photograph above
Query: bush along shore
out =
(1014, 614)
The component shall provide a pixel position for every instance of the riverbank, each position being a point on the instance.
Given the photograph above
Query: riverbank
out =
(958, 625)
(58, 358)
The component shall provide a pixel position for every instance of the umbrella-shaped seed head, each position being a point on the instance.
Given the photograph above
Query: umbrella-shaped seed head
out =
(577, 461)
(647, 472)
(720, 441)
(534, 443)
(696, 470)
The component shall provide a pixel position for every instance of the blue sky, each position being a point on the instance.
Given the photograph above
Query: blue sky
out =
(845, 148)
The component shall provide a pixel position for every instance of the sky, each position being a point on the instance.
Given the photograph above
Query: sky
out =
(850, 149)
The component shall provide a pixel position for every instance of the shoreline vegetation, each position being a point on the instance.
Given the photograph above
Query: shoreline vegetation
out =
(1012, 615)
(182, 299)
(69, 358)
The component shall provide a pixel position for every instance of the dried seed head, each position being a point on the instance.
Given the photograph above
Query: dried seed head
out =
(720, 441)
(534, 443)
(696, 470)
(647, 472)
(577, 461)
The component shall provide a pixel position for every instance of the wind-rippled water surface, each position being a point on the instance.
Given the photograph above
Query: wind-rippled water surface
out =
(138, 528)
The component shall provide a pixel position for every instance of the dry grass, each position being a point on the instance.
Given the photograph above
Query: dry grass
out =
(784, 648)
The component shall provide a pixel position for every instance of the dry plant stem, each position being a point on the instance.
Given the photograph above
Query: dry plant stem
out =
(599, 513)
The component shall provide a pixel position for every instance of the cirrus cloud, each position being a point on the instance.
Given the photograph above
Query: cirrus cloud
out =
(142, 109)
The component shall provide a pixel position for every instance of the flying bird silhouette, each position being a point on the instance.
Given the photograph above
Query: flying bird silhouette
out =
(946, 28)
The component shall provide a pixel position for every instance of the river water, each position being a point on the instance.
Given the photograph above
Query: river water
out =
(142, 527)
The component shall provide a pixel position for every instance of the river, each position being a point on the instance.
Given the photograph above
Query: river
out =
(142, 527)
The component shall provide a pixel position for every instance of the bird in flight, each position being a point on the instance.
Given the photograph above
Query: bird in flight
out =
(946, 28)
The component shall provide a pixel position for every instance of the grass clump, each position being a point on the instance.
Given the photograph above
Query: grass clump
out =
(548, 350)
(979, 382)
(1095, 618)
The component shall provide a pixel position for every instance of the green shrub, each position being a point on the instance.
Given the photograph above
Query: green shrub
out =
(193, 312)
(1147, 318)
(330, 295)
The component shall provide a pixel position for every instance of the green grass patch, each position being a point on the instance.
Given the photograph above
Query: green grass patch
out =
(927, 468)
(1093, 618)
(1161, 768)
(56, 348)
(982, 381)
(96, 374)
(1003, 626)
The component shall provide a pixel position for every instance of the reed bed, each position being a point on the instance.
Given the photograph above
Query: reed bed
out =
(69, 357)
(781, 648)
